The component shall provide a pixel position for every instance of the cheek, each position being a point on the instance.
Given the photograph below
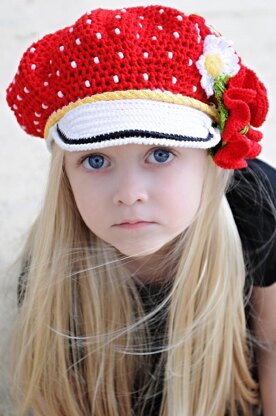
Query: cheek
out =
(184, 198)
(89, 202)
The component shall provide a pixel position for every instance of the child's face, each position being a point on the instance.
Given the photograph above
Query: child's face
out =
(157, 184)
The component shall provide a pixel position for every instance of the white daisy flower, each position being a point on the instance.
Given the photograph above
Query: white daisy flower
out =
(218, 59)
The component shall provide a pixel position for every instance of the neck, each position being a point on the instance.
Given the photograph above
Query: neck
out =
(152, 269)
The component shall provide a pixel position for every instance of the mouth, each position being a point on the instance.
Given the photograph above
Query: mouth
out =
(132, 225)
(137, 221)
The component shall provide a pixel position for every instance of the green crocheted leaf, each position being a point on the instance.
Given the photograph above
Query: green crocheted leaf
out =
(244, 131)
(220, 83)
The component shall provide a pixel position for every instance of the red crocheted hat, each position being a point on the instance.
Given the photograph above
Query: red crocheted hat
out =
(147, 74)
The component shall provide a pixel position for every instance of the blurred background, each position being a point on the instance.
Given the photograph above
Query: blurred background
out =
(24, 160)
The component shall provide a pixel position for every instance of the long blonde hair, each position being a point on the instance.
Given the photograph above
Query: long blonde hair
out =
(82, 335)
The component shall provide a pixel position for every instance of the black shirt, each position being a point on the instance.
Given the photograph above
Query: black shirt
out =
(255, 219)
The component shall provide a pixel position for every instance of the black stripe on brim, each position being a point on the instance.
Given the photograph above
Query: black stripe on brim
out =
(130, 133)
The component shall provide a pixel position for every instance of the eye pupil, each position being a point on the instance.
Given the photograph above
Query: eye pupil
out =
(95, 161)
(161, 155)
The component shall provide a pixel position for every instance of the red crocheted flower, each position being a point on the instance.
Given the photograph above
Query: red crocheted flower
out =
(245, 99)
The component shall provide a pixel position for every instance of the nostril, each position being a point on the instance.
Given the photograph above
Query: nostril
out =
(129, 197)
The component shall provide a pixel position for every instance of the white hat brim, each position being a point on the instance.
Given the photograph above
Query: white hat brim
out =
(140, 121)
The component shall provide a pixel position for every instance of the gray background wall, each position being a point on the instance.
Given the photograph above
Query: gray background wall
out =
(24, 161)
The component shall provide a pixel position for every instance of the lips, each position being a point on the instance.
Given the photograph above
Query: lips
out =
(134, 225)
(128, 221)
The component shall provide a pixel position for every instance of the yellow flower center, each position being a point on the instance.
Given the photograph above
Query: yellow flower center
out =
(213, 64)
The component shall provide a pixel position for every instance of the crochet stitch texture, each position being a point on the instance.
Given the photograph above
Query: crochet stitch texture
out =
(107, 50)
(151, 50)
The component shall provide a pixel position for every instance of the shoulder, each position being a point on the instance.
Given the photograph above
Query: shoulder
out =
(252, 198)
(265, 173)
(260, 174)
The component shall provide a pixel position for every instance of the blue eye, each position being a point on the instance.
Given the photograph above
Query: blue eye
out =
(161, 155)
(94, 161)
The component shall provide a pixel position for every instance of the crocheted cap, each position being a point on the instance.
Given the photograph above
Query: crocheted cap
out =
(134, 75)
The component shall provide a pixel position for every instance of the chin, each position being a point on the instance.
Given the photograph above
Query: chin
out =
(138, 252)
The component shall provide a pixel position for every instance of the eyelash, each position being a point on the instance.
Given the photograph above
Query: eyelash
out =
(82, 159)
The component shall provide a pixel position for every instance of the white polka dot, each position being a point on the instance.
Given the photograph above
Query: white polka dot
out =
(118, 16)
(61, 48)
(33, 66)
(121, 55)
(161, 11)
(96, 60)
(146, 77)
(137, 36)
(198, 33)
(26, 90)
(15, 107)
(89, 21)
(154, 38)
(38, 130)
(116, 79)
(60, 94)
(78, 41)
(117, 31)
(74, 64)
(194, 88)
(24, 127)
(123, 10)
(19, 115)
(180, 18)
(174, 80)
(87, 83)
(146, 54)
(32, 50)
(58, 73)
(71, 29)
(49, 75)
(46, 84)
(51, 61)
(37, 114)
(176, 35)
(190, 62)
(160, 27)
(98, 35)
(140, 24)
(170, 55)
(141, 17)
(36, 122)
(44, 106)
(19, 97)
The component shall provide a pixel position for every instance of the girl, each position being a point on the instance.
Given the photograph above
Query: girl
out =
(139, 294)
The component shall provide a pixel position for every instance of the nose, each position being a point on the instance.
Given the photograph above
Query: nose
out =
(130, 189)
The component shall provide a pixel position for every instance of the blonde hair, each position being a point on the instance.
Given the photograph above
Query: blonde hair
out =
(82, 335)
